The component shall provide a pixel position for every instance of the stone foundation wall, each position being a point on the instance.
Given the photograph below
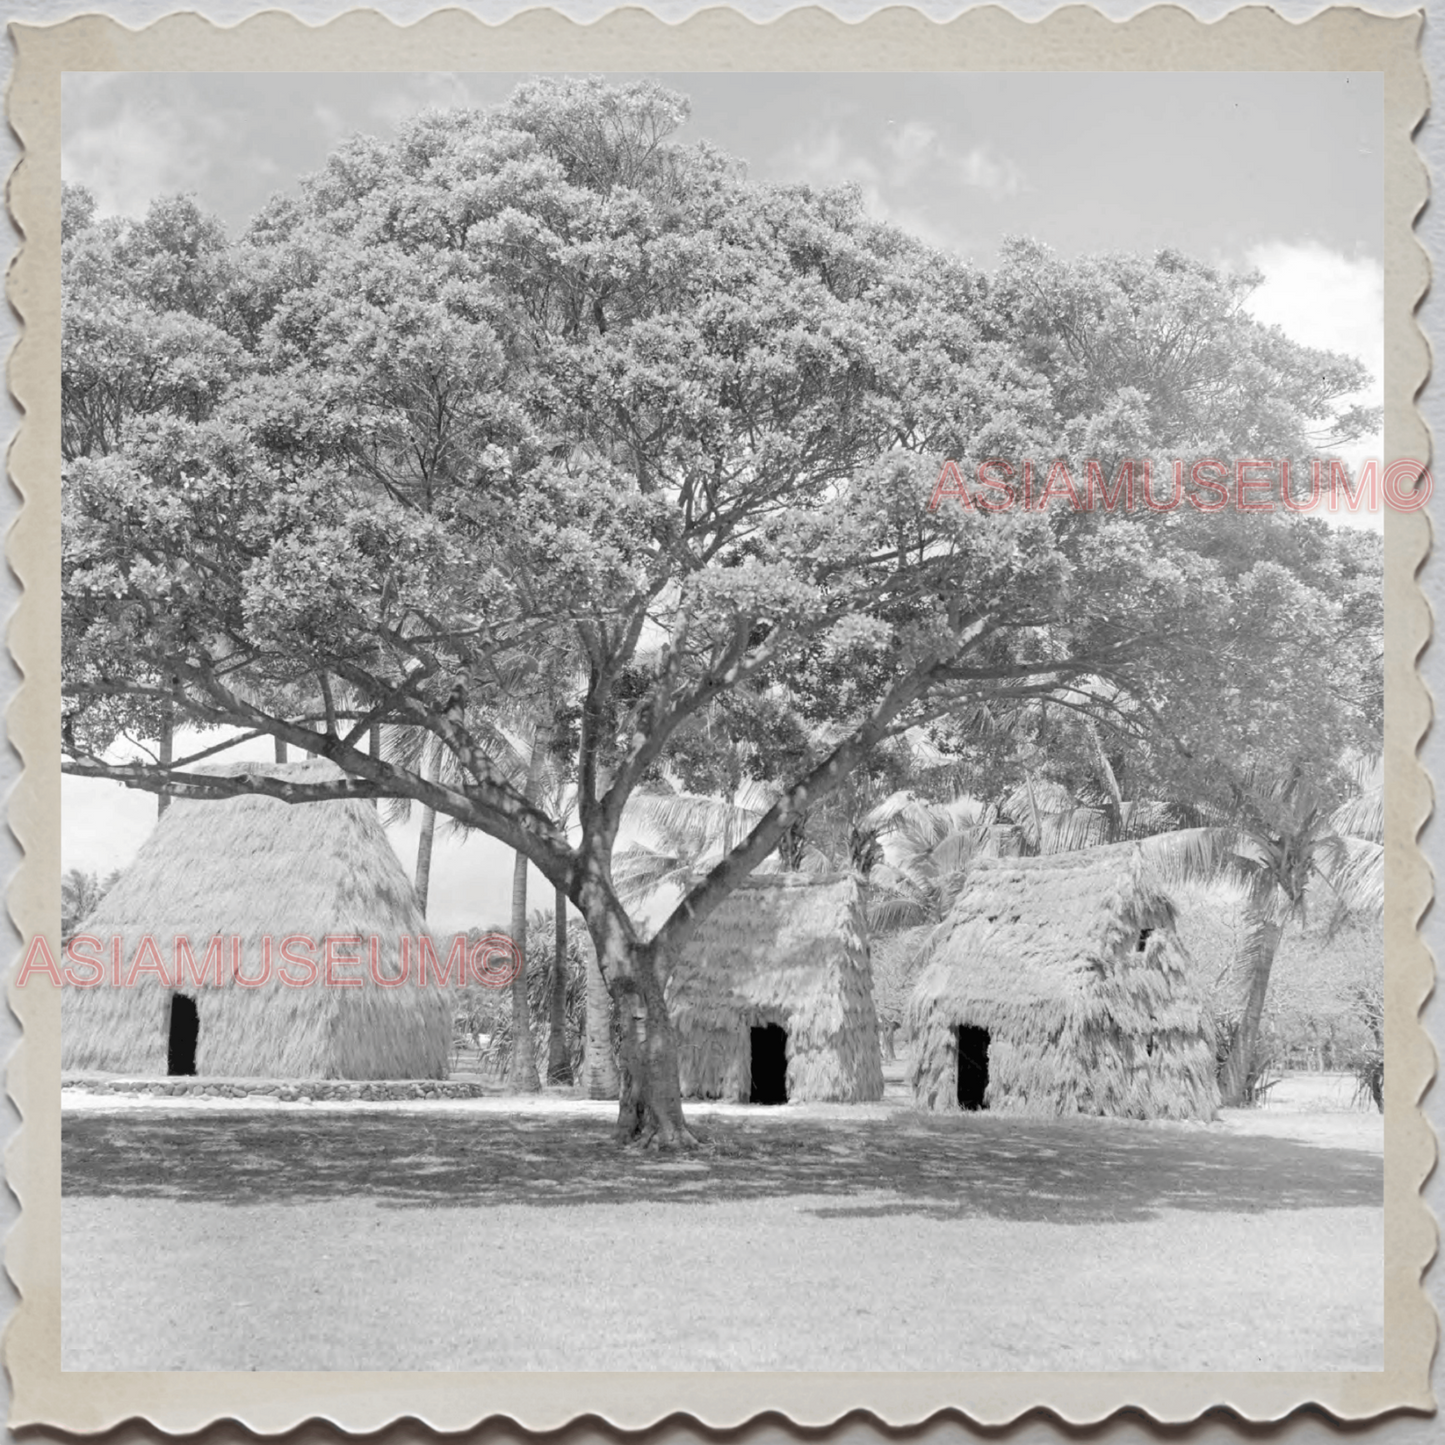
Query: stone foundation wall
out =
(283, 1090)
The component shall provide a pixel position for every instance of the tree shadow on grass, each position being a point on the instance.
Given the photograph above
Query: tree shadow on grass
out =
(1070, 1171)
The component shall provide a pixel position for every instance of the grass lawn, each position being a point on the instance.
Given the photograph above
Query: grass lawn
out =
(456, 1239)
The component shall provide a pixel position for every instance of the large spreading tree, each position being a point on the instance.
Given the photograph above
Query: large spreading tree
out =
(542, 383)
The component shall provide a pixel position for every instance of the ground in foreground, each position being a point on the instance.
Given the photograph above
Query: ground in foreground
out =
(466, 1240)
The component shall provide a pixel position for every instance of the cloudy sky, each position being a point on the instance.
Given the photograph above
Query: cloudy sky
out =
(1279, 173)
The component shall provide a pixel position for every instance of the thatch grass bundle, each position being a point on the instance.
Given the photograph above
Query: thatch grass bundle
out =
(787, 949)
(1045, 954)
(251, 869)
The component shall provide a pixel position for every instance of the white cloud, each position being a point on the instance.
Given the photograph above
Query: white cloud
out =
(131, 158)
(330, 121)
(912, 146)
(825, 161)
(979, 168)
(916, 147)
(1322, 298)
(433, 91)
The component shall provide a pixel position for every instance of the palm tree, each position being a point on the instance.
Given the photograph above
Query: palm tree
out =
(559, 1057)
(414, 748)
(544, 785)
(523, 1074)
(166, 753)
(80, 895)
(1284, 847)
(519, 743)
(929, 846)
(927, 851)
(428, 755)
(679, 836)
(427, 838)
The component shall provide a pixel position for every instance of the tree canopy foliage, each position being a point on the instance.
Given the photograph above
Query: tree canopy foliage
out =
(539, 391)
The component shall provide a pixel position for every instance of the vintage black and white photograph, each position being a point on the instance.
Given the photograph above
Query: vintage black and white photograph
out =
(723, 721)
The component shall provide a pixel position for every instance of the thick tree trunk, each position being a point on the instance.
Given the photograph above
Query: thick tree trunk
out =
(649, 1110)
(559, 1061)
(599, 1068)
(1238, 1072)
(650, 1099)
(423, 856)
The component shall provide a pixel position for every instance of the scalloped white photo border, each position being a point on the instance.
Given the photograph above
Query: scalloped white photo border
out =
(1076, 38)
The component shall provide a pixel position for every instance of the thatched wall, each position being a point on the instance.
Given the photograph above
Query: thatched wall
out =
(782, 949)
(254, 868)
(1042, 952)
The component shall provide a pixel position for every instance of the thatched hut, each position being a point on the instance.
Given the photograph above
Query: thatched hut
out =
(254, 871)
(773, 997)
(1057, 985)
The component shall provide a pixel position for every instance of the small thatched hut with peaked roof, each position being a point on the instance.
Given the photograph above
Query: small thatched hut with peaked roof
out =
(254, 871)
(773, 997)
(1057, 985)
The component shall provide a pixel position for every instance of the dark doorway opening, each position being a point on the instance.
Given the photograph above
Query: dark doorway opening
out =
(972, 1066)
(181, 1043)
(770, 1065)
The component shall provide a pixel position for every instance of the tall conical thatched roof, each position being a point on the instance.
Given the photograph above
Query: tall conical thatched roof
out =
(784, 948)
(1086, 1011)
(254, 869)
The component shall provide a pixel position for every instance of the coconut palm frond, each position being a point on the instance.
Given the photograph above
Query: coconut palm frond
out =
(1192, 856)
(965, 811)
(950, 859)
(886, 814)
(1067, 832)
(693, 823)
(1146, 816)
(1354, 870)
(1022, 806)
(419, 751)
(1007, 840)
(911, 847)
(1363, 814)
(1362, 817)
(641, 868)
(893, 912)
(414, 749)
(508, 750)
(814, 862)
(81, 894)
(899, 898)
(403, 745)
